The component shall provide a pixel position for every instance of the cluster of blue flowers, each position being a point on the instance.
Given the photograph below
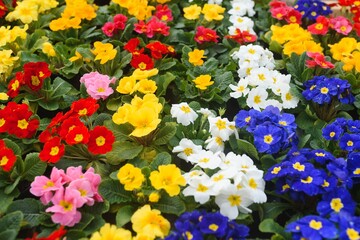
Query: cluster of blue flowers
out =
(311, 9)
(272, 130)
(323, 90)
(201, 224)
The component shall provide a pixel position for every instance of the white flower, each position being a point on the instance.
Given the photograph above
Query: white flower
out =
(200, 188)
(279, 88)
(260, 77)
(246, 67)
(186, 148)
(215, 144)
(206, 159)
(289, 100)
(243, 7)
(241, 89)
(218, 2)
(238, 163)
(183, 113)
(232, 200)
(206, 112)
(220, 180)
(254, 182)
(257, 98)
(193, 175)
(220, 127)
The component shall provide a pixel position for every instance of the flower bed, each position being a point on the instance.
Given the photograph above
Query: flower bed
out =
(172, 119)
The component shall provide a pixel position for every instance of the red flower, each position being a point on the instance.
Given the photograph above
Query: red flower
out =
(120, 21)
(55, 235)
(163, 13)
(15, 84)
(205, 35)
(101, 140)
(357, 28)
(53, 150)
(154, 26)
(293, 16)
(280, 12)
(356, 18)
(142, 61)
(78, 134)
(3, 9)
(242, 37)
(346, 2)
(131, 46)
(7, 157)
(35, 73)
(68, 125)
(140, 27)
(318, 60)
(85, 106)
(109, 29)
(277, 4)
(157, 49)
(4, 119)
(47, 135)
(321, 26)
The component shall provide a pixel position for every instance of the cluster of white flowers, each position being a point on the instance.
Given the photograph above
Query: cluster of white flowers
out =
(239, 10)
(259, 82)
(236, 182)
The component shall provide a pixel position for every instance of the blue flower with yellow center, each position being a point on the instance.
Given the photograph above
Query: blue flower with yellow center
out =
(309, 182)
(311, 9)
(214, 224)
(350, 142)
(349, 227)
(268, 138)
(332, 131)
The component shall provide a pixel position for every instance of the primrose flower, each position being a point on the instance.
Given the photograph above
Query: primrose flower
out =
(7, 157)
(199, 186)
(131, 177)
(104, 52)
(168, 178)
(183, 113)
(97, 85)
(192, 12)
(149, 222)
(109, 231)
(213, 12)
(203, 82)
(195, 57)
(6, 60)
(186, 148)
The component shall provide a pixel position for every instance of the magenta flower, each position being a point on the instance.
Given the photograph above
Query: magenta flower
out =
(97, 85)
(66, 202)
(341, 25)
(45, 187)
(109, 29)
(120, 21)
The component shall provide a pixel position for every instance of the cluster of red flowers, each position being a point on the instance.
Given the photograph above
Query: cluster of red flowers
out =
(33, 76)
(281, 11)
(144, 61)
(70, 129)
(118, 23)
(242, 37)
(18, 120)
(7, 157)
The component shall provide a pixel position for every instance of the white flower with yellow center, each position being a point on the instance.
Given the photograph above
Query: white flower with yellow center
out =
(231, 200)
(205, 159)
(289, 100)
(200, 188)
(260, 77)
(257, 98)
(183, 113)
(215, 144)
(186, 148)
(241, 89)
(206, 112)
(220, 180)
(242, 23)
(242, 8)
(254, 182)
(220, 127)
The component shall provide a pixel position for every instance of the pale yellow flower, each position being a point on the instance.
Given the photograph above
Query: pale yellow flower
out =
(48, 49)
(108, 232)
(25, 12)
(213, 12)
(6, 60)
(192, 12)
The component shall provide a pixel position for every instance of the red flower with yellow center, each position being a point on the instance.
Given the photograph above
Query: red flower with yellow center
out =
(101, 140)
(142, 61)
(78, 134)
(53, 150)
(35, 73)
(85, 106)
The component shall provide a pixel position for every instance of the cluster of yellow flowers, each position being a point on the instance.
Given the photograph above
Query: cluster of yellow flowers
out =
(146, 222)
(74, 12)
(138, 81)
(167, 177)
(348, 52)
(141, 113)
(9, 35)
(28, 11)
(294, 39)
(211, 12)
(103, 52)
(137, 8)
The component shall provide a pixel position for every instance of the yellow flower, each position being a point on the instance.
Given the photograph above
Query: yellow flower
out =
(104, 52)
(24, 11)
(48, 49)
(76, 57)
(162, 1)
(168, 178)
(311, 46)
(127, 85)
(195, 57)
(343, 48)
(142, 237)
(154, 197)
(203, 81)
(294, 47)
(58, 24)
(4, 96)
(356, 55)
(140, 9)
(122, 3)
(145, 120)
(4, 35)
(44, 5)
(149, 100)
(146, 86)
(150, 223)
(139, 74)
(131, 177)
(122, 114)
(108, 232)
(18, 32)
(6, 60)
(213, 12)
(192, 12)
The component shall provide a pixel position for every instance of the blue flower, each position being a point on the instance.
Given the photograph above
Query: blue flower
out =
(214, 224)
(332, 131)
(336, 202)
(309, 182)
(353, 126)
(353, 166)
(268, 138)
(237, 231)
(311, 9)
(313, 227)
(349, 227)
(350, 142)
(242, 119)
(321, 156)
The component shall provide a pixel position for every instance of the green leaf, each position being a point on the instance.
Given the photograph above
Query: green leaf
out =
(11, 221)
(123, 216)
(114, 192)
(171, 205)
(165, 133)
(121, 132)
(33, 166)
(86, 219)
(296, 67)
(303, 140)
(49, 105)
(245, 147)
(163, 82)
(166, 64)
(273, 209)
(74, 234)
(224, 80)
(60, 88)
(13, 146)
(8, 234)
(95, 224)
(10, 188)
(6, 200)
(31, 209)
(270, 226)
(123, 151)
(162, 158)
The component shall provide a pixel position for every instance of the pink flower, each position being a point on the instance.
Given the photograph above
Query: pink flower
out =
(163, 13)
(84, 187)
(44, 187)
(152, 27)
(66, 202)
(120, 21)
(97, 85)
(280, 12)
(318, 60)
(341, 25)
(109, 29)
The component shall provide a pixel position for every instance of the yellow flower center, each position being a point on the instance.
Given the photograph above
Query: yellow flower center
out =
(78, 137)
(283, 123)
(48, 184)
(220, 124)
(307, 180)
(185, 109)
(189, 235)
(83, 192)
(356, 171)
(261, 77)
(257, 99)
(320, 154)
(83, 112)
(101, 89)
(325, 184)
(213, 227)
(312, 87)
(201, 188)
(352, 234)
(319, 26)
(336, 204)
(288, 97)
(332, 134)
(317, 225)
(234, 200)
(35, 81)
(268, 139)
(54, 151)
(22, 124)
(247, 119)
(100, 141)
(15, 85)
(350, 143)
(286, 186)
(142, 66)
(66, 205)
(204, 160)
(276, 170)
(298, 166)
(4, 160)
(188, 151)
(252, 183)
(2, 122)
(324, 90)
